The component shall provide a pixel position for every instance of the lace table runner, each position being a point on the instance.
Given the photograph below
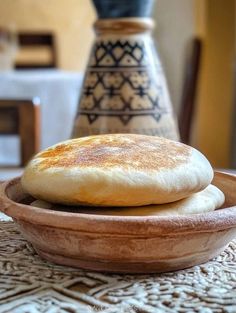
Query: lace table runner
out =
(30, 285)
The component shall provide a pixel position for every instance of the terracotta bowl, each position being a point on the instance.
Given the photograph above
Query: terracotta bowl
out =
(123, 244)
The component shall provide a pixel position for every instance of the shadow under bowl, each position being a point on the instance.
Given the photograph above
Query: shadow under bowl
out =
(124, 244)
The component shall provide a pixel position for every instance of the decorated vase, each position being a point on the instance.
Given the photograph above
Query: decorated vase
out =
(124, 89)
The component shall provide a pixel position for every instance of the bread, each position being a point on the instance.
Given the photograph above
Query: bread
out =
(209, 199)
(117, 170)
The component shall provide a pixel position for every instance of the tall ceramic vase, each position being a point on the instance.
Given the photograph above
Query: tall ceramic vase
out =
(124, 90)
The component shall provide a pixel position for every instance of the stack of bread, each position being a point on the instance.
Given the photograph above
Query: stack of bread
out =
(122, 174)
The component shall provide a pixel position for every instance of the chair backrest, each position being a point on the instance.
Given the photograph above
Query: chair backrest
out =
(22, 117)
(37, 40)
(189, 90)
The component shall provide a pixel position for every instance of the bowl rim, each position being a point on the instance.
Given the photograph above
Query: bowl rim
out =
(130, 225)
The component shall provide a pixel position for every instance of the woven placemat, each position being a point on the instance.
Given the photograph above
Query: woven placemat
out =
(30, 285)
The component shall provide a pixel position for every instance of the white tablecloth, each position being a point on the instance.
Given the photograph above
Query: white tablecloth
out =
(58, 92)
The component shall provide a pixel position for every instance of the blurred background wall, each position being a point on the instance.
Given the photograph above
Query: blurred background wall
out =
(175, 26)
(71, 20)
(177, 21)
(215, 24)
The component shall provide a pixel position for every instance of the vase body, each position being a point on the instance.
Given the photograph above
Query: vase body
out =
(124, 89)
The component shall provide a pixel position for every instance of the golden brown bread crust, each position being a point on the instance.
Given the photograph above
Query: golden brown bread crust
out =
(117, 170)
(129, 151)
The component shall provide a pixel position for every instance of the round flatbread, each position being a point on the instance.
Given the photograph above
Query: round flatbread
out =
(117, 170)
(203, 201)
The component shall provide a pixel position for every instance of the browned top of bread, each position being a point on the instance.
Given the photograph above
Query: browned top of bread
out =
(116, 170)
(106, 151)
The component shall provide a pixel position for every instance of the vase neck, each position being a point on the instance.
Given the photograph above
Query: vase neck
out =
(123, 26)
(107, 9)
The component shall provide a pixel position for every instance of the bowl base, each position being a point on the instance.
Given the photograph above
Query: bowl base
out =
(123, 267)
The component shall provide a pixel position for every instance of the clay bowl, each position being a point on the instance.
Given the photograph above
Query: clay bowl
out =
(123, 244)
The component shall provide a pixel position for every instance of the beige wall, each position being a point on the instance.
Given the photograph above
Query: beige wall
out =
(175, 25)
(71, 20)
(215, 99)
(214, 21)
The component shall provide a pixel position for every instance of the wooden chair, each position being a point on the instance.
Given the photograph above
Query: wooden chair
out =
(22, 117)
(188, 98)
(37, 40)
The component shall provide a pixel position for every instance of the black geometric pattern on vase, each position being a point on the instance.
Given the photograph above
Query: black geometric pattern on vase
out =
(121, 81)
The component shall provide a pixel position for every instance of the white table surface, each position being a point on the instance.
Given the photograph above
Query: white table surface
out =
(58, 92)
